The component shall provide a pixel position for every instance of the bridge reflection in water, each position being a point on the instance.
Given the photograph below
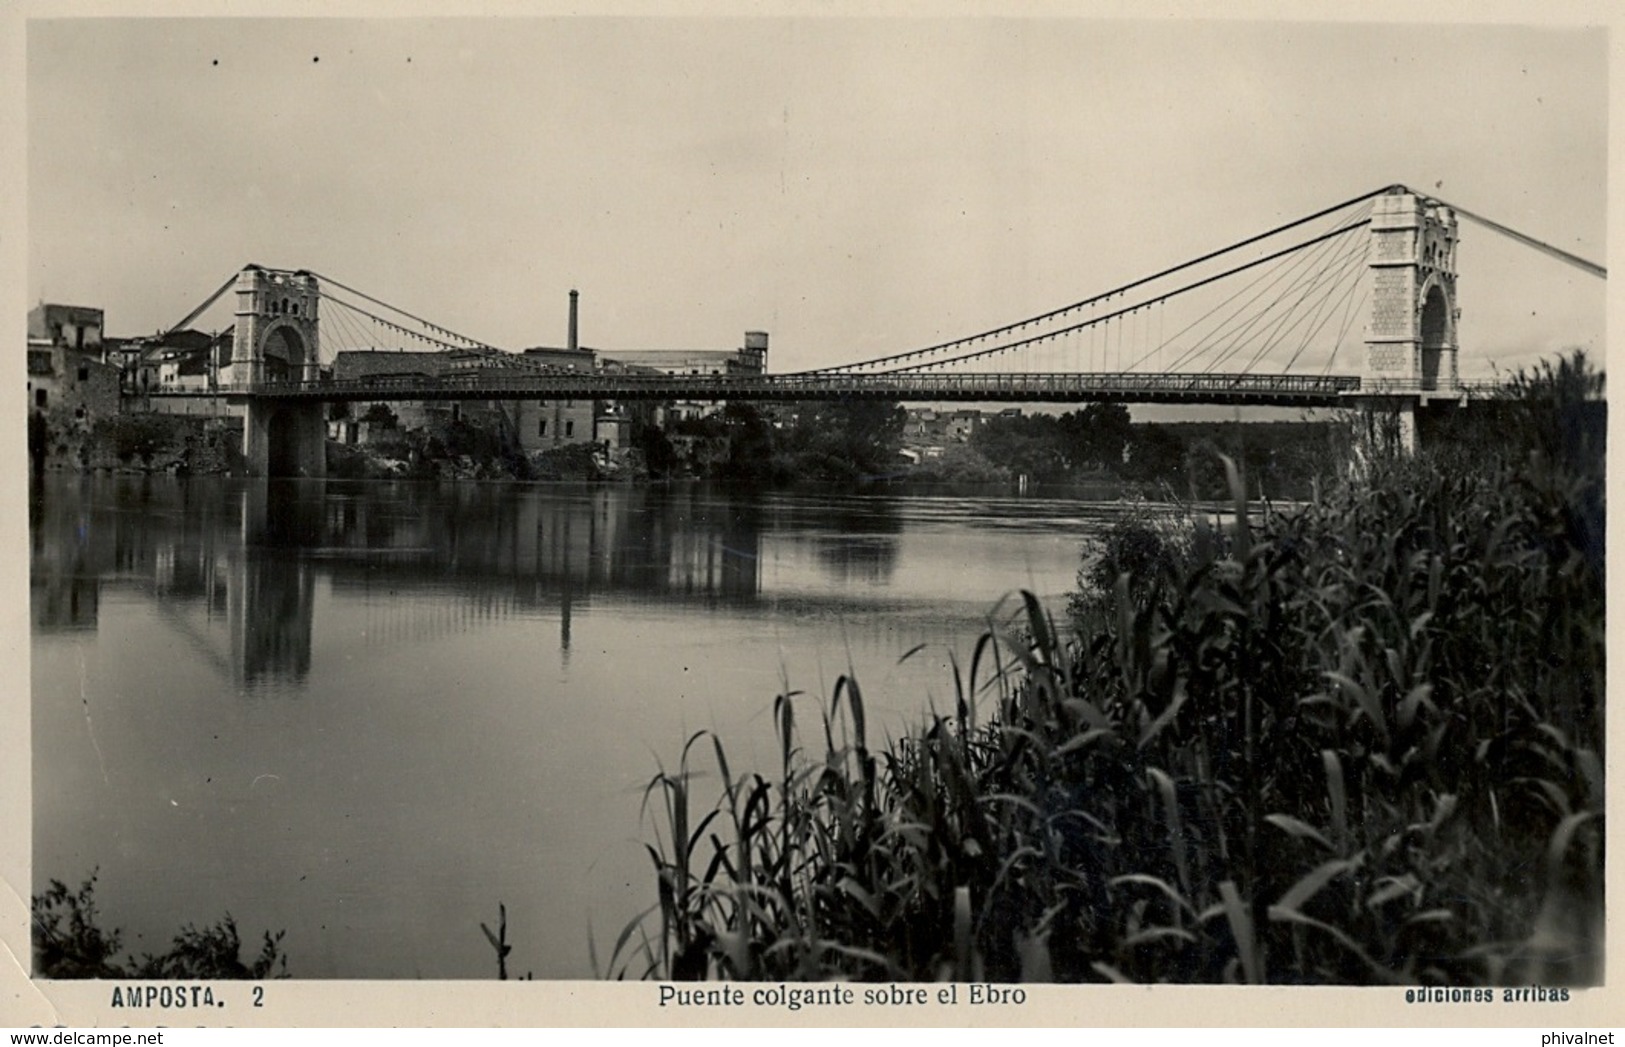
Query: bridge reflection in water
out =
(319, 706)
(233, 568)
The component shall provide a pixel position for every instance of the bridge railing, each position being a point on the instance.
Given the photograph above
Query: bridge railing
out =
(491, 380)
(812, 385)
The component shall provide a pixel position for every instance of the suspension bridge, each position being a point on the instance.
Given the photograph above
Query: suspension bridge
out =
(1265, 320)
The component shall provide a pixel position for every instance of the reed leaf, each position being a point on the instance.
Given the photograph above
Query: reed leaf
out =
(1241, 929)
(962, 935)
(1298, 829)
(1311, 883)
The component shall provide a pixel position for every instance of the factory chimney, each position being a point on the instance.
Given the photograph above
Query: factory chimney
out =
(573, 343)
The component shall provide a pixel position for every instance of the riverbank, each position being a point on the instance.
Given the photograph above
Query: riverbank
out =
(151, 444)
(848, 446)
(1359, 743)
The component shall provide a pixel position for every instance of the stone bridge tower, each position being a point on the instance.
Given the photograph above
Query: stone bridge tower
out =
(1411, 339)
(277, 339)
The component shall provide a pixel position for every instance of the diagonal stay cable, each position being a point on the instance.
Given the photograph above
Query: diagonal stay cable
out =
(368, 334)
(1128, 309)
(1348, 321)
(1344, 285)
(501, 357)
(1277, 267)
(362, 334)
(1281, 272)
(353, 329)
(336, 317)
(1325, 284)
(1268, 278)
(395, 308)
(1304, 271)
(1298, 317)
(1274, 321)
(1263, 284)
(1315, 271)
(1064, 310)
(392, 325)
(1309, 337)
(1207, 342)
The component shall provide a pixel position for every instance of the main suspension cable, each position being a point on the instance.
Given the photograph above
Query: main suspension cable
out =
(195, 313)
(1528, 241)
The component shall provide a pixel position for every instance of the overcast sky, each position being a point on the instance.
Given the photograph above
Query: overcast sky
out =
(852, 186)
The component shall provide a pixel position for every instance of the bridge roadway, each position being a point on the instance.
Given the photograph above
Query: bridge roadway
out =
(505, 384)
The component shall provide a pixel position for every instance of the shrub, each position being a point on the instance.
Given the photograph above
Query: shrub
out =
(135, 435)
(381, 416)
(959, 463)
(69, 942)
(1146, 544)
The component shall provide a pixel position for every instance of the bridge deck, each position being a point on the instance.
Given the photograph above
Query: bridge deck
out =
(490, 384)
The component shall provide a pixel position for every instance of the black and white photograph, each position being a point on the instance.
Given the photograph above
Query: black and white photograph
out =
(808, 511)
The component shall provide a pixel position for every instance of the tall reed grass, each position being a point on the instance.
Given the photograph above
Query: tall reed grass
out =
(1357, 743)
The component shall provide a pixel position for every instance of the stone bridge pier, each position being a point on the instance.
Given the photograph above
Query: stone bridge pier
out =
(285, 439)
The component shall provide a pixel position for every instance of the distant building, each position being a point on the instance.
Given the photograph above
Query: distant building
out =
(542, 424)
(180, 361)
(68, 385)
(749, 359)
(125, 354)
(932, 428)
(184, 372)
(353, 364)
(536, 424)
(581, 360)
(961, 424)
(612, 428)
(64, 363)
(74, 327)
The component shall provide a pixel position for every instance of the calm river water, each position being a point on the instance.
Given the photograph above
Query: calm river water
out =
(368, 713)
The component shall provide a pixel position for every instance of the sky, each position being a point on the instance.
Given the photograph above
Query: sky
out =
(853, 186)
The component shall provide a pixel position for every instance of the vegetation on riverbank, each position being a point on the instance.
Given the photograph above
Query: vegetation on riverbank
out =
(1100, 442)
(69, 942)
(833, 442)
(856, 443)
(134, 443)
(1358, 743)
(846, 443)
(457, 449)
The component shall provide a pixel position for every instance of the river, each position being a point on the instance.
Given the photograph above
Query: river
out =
(367, 713)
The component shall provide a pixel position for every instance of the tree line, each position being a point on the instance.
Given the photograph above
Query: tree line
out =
(861, 441)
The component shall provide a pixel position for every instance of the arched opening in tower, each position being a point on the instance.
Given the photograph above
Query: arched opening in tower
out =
(284, 355)
(1435, 335)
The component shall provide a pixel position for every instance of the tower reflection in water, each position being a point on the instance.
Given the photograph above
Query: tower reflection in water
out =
(234, 568)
